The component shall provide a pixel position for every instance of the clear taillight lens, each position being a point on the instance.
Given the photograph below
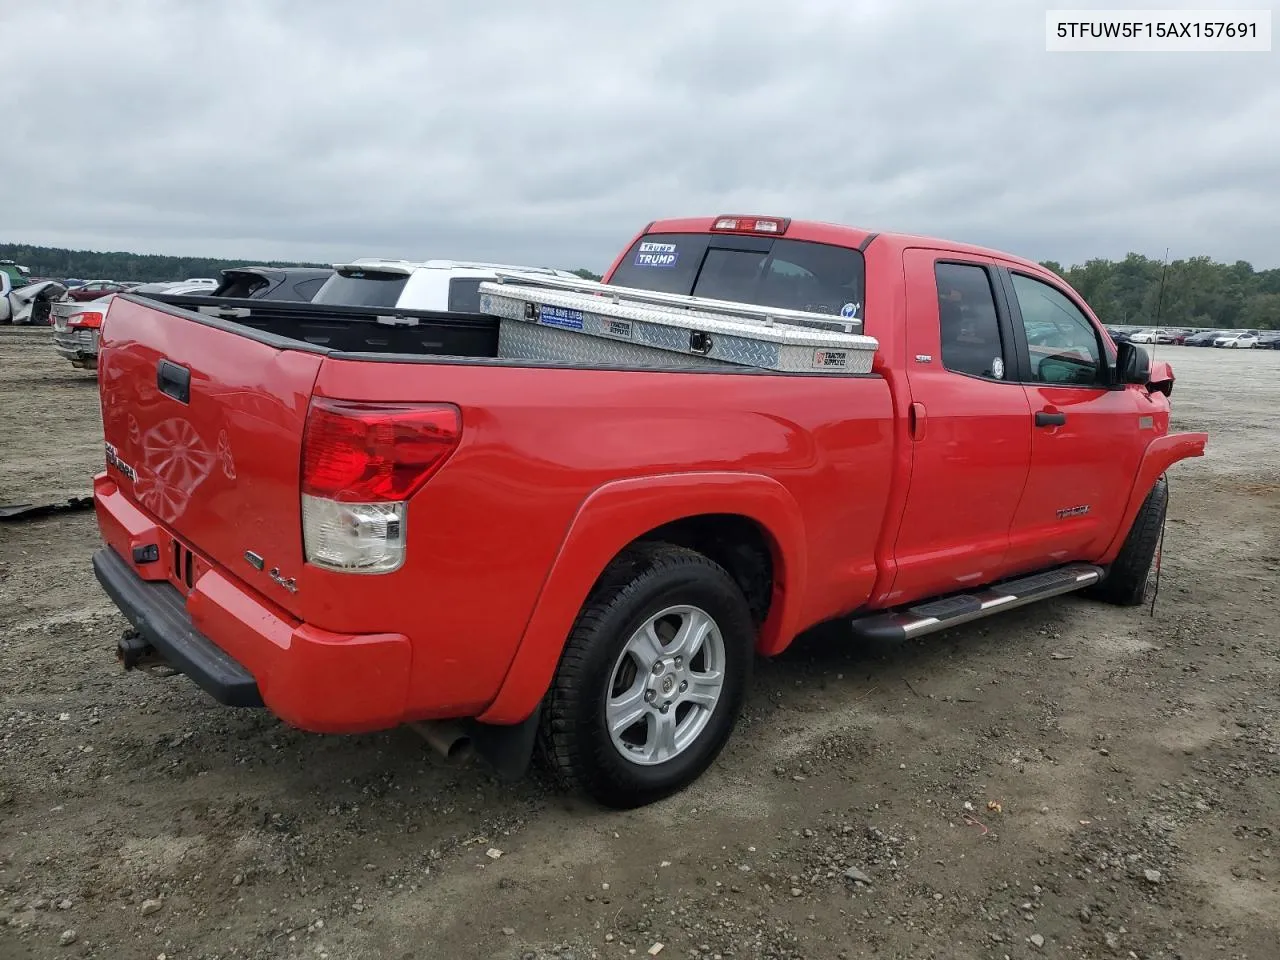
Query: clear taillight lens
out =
(361, 462)
(353, 537)
(85, 320)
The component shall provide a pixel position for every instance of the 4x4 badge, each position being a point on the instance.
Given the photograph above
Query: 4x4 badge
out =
(289, 584)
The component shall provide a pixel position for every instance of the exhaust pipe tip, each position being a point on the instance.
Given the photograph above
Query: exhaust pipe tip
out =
(446, 738)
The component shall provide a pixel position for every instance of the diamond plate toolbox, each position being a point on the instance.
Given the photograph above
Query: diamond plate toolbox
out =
(606, 326)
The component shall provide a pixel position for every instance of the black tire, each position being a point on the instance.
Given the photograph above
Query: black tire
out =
(1126, 582)
(639, 584)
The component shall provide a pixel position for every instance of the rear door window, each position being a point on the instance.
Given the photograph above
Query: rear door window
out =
(773, 272)
(968, 325)
(362, 288)
(241, 285)
(306, 289)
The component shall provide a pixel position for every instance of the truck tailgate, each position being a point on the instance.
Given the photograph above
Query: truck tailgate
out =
(203, 423)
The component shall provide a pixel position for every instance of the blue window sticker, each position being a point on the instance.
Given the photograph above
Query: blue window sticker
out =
(850, 309)
(653, 254)
(561, 317)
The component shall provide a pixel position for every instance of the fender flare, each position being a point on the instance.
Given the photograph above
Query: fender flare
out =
(1160, 455)
(615, 515)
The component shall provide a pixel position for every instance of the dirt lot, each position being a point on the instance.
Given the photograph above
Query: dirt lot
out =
(1134, 759)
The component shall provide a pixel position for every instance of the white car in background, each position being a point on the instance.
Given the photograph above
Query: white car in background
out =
(449, 285)
(1147, 336)
(1241, 340)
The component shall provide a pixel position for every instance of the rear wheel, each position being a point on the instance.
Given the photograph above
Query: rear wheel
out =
(652, 677)
(1128, 578)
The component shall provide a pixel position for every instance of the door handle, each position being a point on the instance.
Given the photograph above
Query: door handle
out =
(174, 381)
(1045, 418)
(916, 421)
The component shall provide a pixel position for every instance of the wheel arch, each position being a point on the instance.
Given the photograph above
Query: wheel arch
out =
(1161, 454)
(703, 511)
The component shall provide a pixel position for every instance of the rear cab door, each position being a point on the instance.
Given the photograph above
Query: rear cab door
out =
(1088, 434)
(969, 427)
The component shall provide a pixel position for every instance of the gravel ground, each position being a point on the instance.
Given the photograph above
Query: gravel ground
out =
(1067, 780)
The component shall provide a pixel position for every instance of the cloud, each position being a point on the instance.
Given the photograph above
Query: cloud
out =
(549, 133)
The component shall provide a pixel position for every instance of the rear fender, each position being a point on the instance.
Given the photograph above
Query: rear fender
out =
(1160, 455)
(615, 515)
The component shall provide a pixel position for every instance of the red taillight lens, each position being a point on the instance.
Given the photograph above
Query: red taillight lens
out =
(375, 452)
(85, 320)
(736, 224)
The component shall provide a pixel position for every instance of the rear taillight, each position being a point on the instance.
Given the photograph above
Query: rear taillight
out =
(735, 224)
(85, 321)
(361, 462)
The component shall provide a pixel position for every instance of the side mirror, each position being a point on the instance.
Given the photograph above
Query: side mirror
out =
(1133, 363)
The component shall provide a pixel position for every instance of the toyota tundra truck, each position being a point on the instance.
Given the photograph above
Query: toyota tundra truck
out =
(582, 557)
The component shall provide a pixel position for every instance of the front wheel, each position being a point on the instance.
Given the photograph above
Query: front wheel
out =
(1128, 578)
(652, 678)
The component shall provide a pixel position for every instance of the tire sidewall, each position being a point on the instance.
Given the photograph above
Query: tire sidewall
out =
(1140, 561)
(699, 585)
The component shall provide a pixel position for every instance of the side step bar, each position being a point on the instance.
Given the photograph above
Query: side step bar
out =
(934, 615)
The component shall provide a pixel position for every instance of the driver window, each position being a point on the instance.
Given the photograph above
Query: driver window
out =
(1062, 342)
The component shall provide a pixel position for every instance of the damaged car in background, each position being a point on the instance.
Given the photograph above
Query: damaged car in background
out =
(77, 324)
(25, 302)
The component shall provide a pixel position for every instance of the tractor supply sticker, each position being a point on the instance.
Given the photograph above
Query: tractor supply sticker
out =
(113, 458)
(997, 368)
(657, 255)
(618, 328)
(830, 359)
(561, 317)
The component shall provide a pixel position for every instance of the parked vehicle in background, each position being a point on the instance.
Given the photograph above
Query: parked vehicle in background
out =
(1119, 336)
(1268, 341)
(272, 283)
(77, 324)
(1236, 340)
(578, 514)
(18, 274)
(447, 285)
(95, 289)
(1172, 336)
(27, 303)
(1205, 338)
(1147, 336)
(76, 330)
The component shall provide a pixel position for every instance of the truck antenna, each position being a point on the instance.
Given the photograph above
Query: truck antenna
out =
(1155, 327)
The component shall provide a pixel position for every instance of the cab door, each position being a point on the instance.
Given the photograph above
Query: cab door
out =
(1088, 436)
(969, 429)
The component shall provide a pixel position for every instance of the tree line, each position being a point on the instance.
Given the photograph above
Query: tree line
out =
(58, 263)
(1196, 292)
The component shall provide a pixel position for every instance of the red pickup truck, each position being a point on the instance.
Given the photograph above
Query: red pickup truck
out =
(364, 522)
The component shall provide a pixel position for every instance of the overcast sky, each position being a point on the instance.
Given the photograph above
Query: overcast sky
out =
(549, 132)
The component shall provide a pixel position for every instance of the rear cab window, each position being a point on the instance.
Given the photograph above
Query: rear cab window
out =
(769, 271)
(362, 288)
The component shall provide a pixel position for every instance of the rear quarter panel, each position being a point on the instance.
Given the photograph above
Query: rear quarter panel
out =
(485, 533)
